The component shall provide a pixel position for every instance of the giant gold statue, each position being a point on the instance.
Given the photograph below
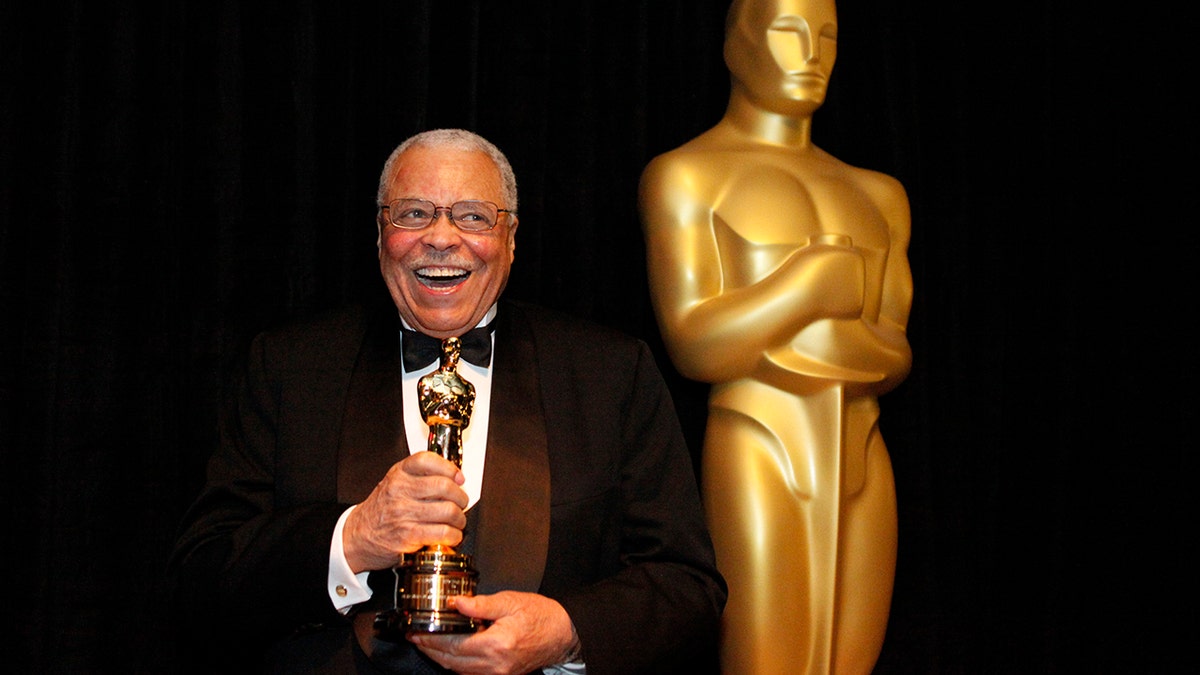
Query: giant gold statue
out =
(779, 275)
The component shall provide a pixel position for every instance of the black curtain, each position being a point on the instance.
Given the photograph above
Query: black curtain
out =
(176, 176)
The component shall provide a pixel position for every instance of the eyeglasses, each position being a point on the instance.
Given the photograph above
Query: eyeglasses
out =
(471, 215)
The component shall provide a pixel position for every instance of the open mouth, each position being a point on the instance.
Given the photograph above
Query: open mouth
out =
(441, 277)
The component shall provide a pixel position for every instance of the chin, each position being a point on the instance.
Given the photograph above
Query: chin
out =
(450, 322)
(798, 103)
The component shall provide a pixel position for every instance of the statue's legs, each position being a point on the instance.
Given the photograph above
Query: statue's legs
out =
(760, 534)
(867, 563)
(810, 567)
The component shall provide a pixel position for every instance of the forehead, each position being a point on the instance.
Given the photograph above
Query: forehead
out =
(760, 13)
(444, 173)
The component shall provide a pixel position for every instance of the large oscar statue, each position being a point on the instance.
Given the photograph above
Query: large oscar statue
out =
(779, 275)
(428, 579)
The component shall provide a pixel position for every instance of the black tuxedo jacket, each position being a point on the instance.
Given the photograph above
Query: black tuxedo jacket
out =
(588, 495)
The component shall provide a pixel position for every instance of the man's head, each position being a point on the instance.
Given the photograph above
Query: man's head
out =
(780, 53)
(442, 277)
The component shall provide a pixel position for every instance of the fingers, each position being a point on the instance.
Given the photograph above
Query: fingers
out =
(427, 476)
(526, 632)
(429, 464)
(486, 607)
(415, 490)
(840, 274)
(418, 503)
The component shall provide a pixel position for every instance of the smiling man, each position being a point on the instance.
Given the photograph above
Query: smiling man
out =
(446, 274)
(576, 495)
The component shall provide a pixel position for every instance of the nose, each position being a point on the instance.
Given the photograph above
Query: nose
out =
(808, 44)
(810, 49)
(794, 47)
(442, 233)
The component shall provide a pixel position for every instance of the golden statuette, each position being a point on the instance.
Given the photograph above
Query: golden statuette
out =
(427, 579)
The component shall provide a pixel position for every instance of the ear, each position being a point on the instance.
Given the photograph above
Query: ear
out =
(512, 237)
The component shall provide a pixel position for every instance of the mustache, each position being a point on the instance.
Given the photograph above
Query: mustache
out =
(435, 259)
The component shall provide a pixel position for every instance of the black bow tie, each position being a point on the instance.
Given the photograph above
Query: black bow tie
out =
(420, 350)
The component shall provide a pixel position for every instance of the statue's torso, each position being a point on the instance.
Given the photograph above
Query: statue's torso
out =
(767, 204)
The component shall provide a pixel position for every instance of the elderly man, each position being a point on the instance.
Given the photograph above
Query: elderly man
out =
(575, 496)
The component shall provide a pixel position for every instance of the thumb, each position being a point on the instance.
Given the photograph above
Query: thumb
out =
(488, 607)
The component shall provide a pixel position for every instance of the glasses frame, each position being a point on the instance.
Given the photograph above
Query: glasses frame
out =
(439, 209)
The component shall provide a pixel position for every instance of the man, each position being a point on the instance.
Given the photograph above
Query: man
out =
(581, 509)
(780, 275)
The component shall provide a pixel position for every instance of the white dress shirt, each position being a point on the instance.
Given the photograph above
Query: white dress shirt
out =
(347, 589)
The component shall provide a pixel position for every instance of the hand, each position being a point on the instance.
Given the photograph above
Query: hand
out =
(527, 632)
(836, 271)
(418, 503)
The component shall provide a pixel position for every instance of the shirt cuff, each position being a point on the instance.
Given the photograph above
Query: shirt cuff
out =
(345, 588)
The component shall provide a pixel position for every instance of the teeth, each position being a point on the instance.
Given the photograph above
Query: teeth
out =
(441, 272)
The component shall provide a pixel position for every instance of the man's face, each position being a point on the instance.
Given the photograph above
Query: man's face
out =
(444, 280)
(781, 52)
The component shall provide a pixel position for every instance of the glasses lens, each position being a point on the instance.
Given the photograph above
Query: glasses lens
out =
(412, 214)
(474, 215)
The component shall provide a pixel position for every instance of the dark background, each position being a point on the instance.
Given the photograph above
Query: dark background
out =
(176, 176)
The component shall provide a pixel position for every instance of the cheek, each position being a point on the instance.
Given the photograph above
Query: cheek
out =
(498, 256)
(393, 246)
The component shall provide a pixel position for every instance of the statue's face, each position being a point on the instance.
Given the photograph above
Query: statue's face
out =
(781, 52)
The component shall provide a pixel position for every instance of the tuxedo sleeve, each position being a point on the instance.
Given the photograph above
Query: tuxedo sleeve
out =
(656, 605)
(252, 560)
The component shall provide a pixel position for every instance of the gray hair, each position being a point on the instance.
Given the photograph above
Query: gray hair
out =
(458, 139)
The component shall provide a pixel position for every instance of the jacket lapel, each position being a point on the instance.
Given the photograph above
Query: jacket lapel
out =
(512, 527)
(373, 424)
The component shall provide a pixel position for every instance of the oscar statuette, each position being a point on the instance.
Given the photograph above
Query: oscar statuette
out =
(428, 578)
